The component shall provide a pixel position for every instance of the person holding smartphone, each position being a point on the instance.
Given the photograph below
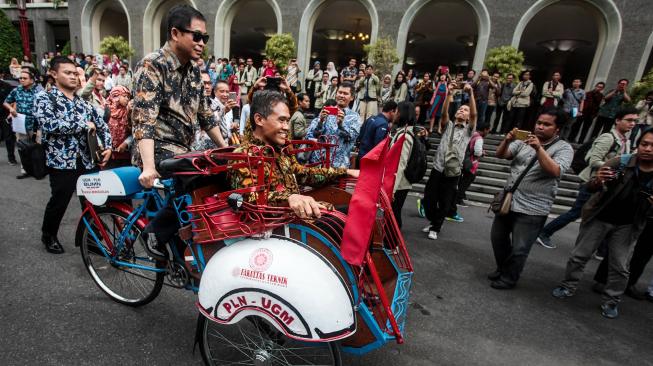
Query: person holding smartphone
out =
(616, 213)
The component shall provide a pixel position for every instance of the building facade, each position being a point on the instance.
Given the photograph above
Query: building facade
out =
(597, 40)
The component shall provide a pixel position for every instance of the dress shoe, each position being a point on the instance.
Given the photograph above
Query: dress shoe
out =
(493, 276)
(22, 176)
(52, 244)
(501, 285)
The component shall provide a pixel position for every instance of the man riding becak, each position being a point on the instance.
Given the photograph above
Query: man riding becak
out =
(270, 126)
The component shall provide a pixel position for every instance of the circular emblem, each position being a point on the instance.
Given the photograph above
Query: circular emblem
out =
(261, 259)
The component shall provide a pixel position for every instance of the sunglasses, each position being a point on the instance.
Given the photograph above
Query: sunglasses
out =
(197, 35)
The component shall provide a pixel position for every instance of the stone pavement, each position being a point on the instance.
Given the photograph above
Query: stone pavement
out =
(51, 312)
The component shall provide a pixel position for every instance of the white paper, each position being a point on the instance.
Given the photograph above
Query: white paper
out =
(18, 124)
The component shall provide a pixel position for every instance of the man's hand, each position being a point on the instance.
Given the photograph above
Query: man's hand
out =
(13, 112)
(534, 142)
(305, 206)
(510, 136)
(605, 174)
(323, 114)
(90, 126)
(283, 86)
(467, 88)
(341, 116)
(148, 176)
(230, 105)
(106, 155)
(260, 83)
(354, 173)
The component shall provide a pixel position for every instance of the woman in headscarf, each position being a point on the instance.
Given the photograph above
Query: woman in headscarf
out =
(119, 126)
(386, 89)
(331, 69)
(15, 68)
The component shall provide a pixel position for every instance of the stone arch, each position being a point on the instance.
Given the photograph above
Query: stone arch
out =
(610, 29)
(224, 19)
(646, 59)
(484, 27)
(307, 23)
(154, 15)
(91, 19)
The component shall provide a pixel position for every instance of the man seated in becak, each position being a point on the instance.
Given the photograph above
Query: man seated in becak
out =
(270, 126)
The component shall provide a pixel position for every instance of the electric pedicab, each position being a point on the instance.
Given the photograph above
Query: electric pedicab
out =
(273, 289)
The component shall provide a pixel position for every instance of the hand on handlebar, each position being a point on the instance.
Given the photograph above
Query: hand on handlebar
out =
(305, 207)
(148, 176)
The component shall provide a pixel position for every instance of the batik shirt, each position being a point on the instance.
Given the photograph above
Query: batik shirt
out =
(169, 105)
(346, 134)
(24, 99)
(284, 178)
(63, 123)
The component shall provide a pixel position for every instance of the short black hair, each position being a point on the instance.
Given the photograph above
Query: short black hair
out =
(624, 111)
(389, 106)
(58, 60)
(645, 131)
(483, 126)
(406, 114)
(624, 79)
(221, 81)
(559, 114)
(600, 83)
(330, 103)
(521, 74)
(301, 96)
(349, 85)
(181, 16)
(263, 101)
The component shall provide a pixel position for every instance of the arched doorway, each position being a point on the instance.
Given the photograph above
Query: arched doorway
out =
(102, 18)
(242, 27)
(154, 22)
(646, 63)
(582, 44)
(335, 31)
(451, 33)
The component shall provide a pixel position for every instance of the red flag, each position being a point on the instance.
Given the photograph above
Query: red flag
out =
(391, 165)
(363, 205)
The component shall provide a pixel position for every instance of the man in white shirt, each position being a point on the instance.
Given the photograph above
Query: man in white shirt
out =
(222, 109)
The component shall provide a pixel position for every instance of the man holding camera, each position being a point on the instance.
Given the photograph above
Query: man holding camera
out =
(65, 120)
(339, 121)
(616, 213)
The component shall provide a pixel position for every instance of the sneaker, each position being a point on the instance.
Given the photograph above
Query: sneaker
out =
(545, 241)
(13, 162)
(597, 256)
(561, 292)
(154, 249)
(420, 208)
(433, 235)
(609, 311)
(426, 229)
(493, 276)
(456, 218)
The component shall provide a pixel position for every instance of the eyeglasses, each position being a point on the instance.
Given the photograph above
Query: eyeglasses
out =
(630, 119)
(197, 35)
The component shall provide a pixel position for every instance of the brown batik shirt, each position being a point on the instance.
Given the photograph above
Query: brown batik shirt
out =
(284, 178)
(169, 105)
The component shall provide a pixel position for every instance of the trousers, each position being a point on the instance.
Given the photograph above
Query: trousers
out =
(439, 195)
(620, 250)
(63, 184)
(570, 216)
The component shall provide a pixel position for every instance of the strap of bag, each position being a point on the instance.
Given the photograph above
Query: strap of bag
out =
(528, 167)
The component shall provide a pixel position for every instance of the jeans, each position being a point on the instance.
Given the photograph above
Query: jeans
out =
(481, 107)
(512, 237)
(620, 250)
(488, 114)
(398, 204)
(570, 216)
(439, 195)
(517, 117)
(466, 180)
(642, 254)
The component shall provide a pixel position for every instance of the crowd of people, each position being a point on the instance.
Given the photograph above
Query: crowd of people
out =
(173, 102)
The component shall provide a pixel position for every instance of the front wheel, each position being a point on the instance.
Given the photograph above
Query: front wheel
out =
(128, 276)
(253, 341)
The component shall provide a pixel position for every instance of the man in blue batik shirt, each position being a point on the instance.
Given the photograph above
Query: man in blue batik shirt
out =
(344, 126)
(65, 119)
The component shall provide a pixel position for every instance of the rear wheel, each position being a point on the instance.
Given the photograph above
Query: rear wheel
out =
(253, 341)
(116, 274)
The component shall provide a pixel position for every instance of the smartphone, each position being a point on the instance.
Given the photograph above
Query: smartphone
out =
(332, 111)
(272, 83)
(522, 135)
(233, 96)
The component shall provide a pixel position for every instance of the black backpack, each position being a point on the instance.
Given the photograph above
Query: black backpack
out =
(417, 162)
(579, 163)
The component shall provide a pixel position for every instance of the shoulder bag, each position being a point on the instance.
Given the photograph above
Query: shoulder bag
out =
(502, 200)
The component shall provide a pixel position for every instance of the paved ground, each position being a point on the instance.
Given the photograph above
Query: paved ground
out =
(51, 313)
